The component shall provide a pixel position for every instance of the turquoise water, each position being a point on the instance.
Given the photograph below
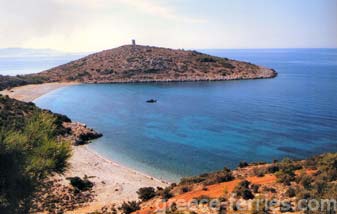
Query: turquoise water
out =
(197, 127)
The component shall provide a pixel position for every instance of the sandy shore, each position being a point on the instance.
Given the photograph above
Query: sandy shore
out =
(114, 183)
(28, 93)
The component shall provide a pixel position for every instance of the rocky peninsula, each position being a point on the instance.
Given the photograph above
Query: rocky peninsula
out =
(136, 63)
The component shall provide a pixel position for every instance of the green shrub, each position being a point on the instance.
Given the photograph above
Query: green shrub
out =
(129, 207)
(273, 168)
(227, 65)
(242, 190)
(166, 193)
(146, 193)
(7, 82)
(306, 181)
(27, 156)
(151, 71)
(185, 189)
(243, 164)
(285, 177)
(206, 59)
(81, 184)
(219, 177)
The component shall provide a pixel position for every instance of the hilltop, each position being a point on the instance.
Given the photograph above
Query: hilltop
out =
(143, 64)
(147, 64)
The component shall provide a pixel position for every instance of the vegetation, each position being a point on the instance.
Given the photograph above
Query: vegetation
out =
(129, 207)
(166, 193)
(27, 156)
(285, 171)
(123, 64)
(146, 193)
(314, 178)
(209, 178)
(7, 82)
(207, 59)
(243, 164)
(322, 184)
(81, 184)
(14, 114)
(242, 190)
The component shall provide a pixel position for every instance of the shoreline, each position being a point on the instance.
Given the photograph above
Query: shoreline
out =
(114, 183)
(118, 164)
(29, 93)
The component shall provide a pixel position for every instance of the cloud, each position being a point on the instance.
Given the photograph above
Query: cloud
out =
(51, 23)
(150, 7)
(156, 9)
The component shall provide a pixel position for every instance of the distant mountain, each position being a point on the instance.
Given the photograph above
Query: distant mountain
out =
(28, 52)
(14, 61)
(148, 64)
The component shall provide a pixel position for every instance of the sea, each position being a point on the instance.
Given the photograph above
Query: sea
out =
(198, 127)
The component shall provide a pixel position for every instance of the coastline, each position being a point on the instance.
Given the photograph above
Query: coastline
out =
(113, 182)
(28, 93)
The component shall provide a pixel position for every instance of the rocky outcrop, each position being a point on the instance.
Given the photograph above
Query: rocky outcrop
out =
(153, 64)
(80, 134)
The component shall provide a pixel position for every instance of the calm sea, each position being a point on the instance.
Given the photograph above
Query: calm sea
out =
(203, 126)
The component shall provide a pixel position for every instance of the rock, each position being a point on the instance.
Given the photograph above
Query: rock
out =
(80, 134)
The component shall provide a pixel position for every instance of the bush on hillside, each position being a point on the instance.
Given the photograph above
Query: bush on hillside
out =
(129, 207)
(243, 164)
(166, 194)
(242, 190)
(146, 193)
(27, 157)
(81, 184)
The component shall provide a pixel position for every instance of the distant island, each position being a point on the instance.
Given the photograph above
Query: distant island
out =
(137, 63)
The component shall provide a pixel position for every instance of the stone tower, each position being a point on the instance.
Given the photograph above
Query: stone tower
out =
(133, 43)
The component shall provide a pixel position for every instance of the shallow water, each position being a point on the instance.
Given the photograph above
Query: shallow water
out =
(197, 127)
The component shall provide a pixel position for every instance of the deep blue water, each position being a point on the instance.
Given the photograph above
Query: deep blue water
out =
(204, 126)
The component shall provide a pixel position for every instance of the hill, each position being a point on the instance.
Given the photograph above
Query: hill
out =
(14, 114)
(8, 82)
(146, 64)
(278, 187)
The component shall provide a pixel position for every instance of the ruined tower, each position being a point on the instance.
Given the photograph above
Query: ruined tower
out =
(133, 43)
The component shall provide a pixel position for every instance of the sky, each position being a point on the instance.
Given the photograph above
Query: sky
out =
(92, 25)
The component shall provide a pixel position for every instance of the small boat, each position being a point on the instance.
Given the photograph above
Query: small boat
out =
(151, 101)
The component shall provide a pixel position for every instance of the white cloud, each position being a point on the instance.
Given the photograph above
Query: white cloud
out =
(151, 7)
(85, 24)
(156, 9)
